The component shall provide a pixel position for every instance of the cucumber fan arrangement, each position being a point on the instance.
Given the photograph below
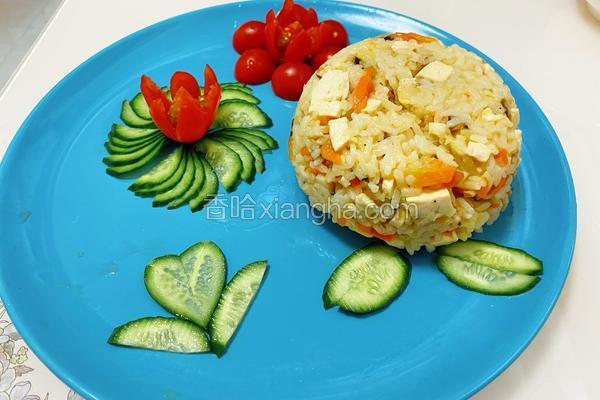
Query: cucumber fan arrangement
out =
(193, 287)
(199, 135)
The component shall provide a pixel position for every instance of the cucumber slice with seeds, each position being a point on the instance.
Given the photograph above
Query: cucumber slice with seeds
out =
(195, 187)
(168, 183)
(483, 279)
(248, 167)
(132, 119)
(181, 187)
(142, 162)
(125, 132)
(130, 158)
(240, 114)
(161, 172)
(259, 161)
(140, 107)
(163, 334)
(225, 162)
(368, 280)
(233, 305)
(234, 93)
(262, 144)
(209, 189)
(188, 285)
(493, 255)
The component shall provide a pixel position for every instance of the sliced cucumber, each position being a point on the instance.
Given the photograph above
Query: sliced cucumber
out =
(261, 134)
(225, 162)
(125, 132)
(167, 184)
(188, 285)
(484, 279)
(237, 86)
(368, 280)
(235, 134)
(114, 148)
(248, 166)
(196, 185)
(209, 189)
(128, 144)
(125, 169)
(132, 157)
(240, 114)
(161, 172)
(259, 161)
(234, 303)
(493, 255)
(235, 93)
(140, 107)
(164, 334)
(132, 119)
(182, 186)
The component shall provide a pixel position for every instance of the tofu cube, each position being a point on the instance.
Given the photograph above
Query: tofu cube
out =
(479, 151)
(333, 86)
(328, 108)
(431, 205)
(339, 132)
(437, 128)
(372, 106)
(436, 71)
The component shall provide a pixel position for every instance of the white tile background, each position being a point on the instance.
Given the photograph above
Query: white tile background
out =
(21, 22)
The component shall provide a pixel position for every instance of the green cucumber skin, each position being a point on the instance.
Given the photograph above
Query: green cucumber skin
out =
(113, 148)
(366, 254)
(162, 199)
(114, 160)
(497, 256)
(259, 142)
(240, 114)
(272, 143)
(455, 270)
(259, 161)
(130, 118)
(140, 107)
(235, 93)
(195, 187)
(213, 281)
(228, 170)
(177, 325)
(244, 287)
(128, 133)
(152, 178)
(120, 170)
(209, 189)
(248, 161)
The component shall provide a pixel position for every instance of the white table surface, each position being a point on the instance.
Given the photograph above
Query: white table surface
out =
(551, 46)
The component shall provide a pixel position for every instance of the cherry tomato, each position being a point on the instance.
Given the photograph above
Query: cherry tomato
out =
(249, 35)
(254, 66)
(323, 55)
(333, 34)
(289, 79)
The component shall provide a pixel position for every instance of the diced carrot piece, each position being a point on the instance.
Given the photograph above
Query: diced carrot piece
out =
(371, 231)
(324, 119)
(355, 182)
(304, 151)
(489, 191)
(456, 179)
(314, 171)
(341, 220)
(502, 157)
(328, 153)
(437, 173)
(412, 35)
(363, 89)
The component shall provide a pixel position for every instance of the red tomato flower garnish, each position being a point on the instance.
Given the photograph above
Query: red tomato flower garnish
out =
(190, 114)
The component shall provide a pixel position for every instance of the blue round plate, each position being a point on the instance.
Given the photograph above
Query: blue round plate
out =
(75, 242)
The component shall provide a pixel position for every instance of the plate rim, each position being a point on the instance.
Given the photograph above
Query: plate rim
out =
(571, 234)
